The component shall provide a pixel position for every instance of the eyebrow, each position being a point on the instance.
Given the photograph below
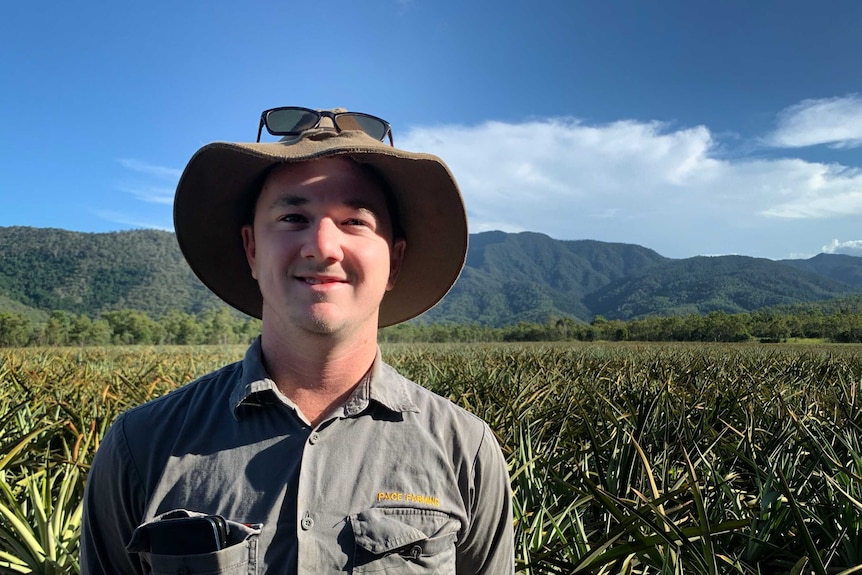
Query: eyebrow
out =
(291, 200)
(288, 200)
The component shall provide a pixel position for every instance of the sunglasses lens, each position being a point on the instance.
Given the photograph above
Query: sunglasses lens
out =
(374, 127)
(286, 121)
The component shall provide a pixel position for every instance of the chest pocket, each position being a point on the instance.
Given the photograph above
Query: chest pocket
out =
(239, 557)
(404, 541)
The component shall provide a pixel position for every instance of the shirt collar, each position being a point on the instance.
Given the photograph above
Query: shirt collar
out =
(382, 385)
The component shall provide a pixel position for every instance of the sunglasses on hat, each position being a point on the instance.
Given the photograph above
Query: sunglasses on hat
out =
(293, 120)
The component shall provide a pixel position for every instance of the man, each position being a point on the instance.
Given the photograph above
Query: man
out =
(321, 458)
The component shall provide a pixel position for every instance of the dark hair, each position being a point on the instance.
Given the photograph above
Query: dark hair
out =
(389, 196)
(249, 201)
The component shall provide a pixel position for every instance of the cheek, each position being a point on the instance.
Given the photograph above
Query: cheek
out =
(372, 261)
(273, 251)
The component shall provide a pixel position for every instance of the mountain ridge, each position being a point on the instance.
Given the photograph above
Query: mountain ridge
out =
(508, 278)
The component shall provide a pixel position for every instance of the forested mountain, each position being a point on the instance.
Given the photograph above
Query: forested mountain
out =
(508, 278)
(529, 277)
(51, 269)
(847, 269)
(703, 284)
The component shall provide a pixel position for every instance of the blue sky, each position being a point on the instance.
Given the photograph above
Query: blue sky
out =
(689, 127)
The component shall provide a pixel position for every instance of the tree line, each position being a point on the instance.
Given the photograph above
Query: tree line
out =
(839, 326)
(128, 327)
(223, 326)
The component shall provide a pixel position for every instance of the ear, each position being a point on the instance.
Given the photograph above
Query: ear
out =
(396, 257)
(248, 245)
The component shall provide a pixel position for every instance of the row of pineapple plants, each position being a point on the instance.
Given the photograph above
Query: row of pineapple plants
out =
(623, 458)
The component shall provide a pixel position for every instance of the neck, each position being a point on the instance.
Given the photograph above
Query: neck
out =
(316, 371)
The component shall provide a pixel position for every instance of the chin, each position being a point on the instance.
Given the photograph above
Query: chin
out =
(328, 326)
(324, 324)
(322, 327)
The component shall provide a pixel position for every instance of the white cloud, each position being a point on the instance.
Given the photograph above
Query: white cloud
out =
(803, 189)
(150, 194)
(565, 160)
(150, 183)
(160, 172)
(147, 183)
(641, 182)
(833, 121)
(852, 247)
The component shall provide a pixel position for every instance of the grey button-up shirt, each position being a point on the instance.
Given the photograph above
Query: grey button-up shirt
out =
(396, 480)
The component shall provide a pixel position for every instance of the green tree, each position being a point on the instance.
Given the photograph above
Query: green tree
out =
(247, 330)
(181, 328)
(80, 330)
(15, 329)
(58, 328)
(218, 326)
(132, 327)
(99, 333)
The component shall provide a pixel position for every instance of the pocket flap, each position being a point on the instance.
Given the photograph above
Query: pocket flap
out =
(379, 533)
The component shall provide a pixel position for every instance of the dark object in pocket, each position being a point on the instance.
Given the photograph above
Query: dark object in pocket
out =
(188, 535)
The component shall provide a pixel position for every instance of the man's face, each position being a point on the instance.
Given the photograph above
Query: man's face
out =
(321, 247)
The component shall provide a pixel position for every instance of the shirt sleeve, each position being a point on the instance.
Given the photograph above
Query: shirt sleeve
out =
(113, 505)
(489, 547)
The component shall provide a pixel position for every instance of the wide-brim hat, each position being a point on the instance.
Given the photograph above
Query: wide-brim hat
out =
(221, 180)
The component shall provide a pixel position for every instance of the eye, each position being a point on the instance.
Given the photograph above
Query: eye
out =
(357, 222)
(293, 219)
(361, 217)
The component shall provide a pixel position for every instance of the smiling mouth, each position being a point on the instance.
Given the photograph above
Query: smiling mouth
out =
(320, 281)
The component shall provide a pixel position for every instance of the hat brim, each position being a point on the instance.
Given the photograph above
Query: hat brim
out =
(222, 178)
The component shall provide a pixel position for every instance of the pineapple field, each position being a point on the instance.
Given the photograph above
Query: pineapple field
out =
(623, 457)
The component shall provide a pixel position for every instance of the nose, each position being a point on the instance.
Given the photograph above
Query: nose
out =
(323, 242)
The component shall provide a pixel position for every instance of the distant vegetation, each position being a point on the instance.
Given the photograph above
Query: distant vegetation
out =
(128, 327)
(68, 288)
(46, 270)
(838, 321)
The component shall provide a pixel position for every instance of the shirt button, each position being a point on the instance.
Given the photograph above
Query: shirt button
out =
(314, 438)
(183, 571)
(307, 523)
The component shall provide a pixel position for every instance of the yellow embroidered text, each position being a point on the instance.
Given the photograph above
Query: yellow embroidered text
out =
(411, 497)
